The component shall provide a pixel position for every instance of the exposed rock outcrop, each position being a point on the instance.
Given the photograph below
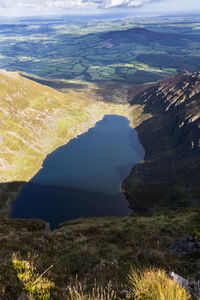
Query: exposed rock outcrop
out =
(187, 246)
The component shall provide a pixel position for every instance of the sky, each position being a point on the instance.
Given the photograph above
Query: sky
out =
(56, 7)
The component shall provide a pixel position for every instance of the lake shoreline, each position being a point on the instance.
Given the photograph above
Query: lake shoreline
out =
(113, 144)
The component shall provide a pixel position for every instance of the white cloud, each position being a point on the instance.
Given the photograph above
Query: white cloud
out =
(46, 4)
(45, 7)
(128, 3)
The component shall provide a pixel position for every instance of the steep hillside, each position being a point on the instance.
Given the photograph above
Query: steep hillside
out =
(169, 127)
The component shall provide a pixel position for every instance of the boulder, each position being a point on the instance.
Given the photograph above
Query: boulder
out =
(187, 246)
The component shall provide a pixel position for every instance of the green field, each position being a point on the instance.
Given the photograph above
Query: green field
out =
(101, 50)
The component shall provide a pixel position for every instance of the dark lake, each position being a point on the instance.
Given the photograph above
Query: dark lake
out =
(83, 177)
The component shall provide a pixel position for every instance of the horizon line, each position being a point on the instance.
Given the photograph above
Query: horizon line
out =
(128, 14)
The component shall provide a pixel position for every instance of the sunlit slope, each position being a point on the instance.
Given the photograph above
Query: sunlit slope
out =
(36, 119)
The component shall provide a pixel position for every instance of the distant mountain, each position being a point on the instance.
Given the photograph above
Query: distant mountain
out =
(142, 36)
(170, 134)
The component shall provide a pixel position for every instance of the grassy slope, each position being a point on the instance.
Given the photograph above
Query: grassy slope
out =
(36, 119)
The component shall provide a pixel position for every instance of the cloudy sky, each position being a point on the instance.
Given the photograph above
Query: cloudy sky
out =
(45, 7)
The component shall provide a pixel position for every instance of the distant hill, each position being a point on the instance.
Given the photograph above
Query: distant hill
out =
(142, 36)
(170, 134)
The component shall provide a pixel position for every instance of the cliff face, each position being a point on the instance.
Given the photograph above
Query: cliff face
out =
(179, 100)
(169, 176)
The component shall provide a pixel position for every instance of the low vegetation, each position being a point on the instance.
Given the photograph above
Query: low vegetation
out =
(101, 249)
(150, 284)
(78, 292)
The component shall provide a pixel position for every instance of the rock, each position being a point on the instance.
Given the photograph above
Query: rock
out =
(124, 294)
(197, 289)
(24, 296)
(47, 228)
(192, 288)
(67, 231)
(187, 246)
(180, 280)
(198, 276)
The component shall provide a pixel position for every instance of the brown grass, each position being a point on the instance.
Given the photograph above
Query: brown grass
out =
(78, 292)
(154, 284)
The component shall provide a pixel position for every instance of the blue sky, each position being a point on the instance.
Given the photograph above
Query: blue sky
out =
(48, 7)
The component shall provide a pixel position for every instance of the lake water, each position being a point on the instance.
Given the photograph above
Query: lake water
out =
(83, 177)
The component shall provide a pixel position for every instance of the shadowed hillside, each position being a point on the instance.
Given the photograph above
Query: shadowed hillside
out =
(170, 132)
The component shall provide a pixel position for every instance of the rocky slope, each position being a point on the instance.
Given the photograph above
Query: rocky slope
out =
(167, 118)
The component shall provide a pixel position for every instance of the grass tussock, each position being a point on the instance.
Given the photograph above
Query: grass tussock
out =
(35, 284)
(154, 284)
